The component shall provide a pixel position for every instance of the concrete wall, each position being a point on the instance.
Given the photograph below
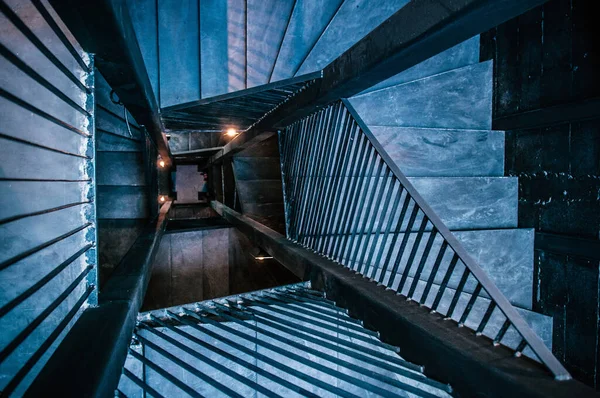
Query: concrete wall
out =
(47, 210)
(208, 263)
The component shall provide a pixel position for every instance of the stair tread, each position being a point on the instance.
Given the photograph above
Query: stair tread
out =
(309, 19)
(125, 202)
(354, 20)
(430, 152)
(120, 168)
(459, 99)
(463, 54)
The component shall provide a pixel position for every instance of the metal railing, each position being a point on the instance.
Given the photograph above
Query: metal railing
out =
(347, 200)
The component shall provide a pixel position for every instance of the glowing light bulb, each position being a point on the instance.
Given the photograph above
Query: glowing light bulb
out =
(161, 163)
(231, 132)
(162, 199)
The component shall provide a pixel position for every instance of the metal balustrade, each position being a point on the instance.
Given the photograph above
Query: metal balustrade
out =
(347, 200)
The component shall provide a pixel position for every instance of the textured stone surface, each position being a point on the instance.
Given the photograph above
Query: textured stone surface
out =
(308, 21)
(111, 142)
(260, 191)
(463, 54)
(266, 26)
(354, 20)
(421, 152)
(222, 46)
(122, 202)
(120, 168)
(459, 99)
(506, 255)
(254, 168)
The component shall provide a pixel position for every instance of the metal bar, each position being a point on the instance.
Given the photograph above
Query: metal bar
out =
(24, 29)
(209, 380)
(395, 236)
(227, 355)
(47, 148)
(45, 115)
(10, 347)
(501, 332)
(536, 344)
(42, 81)
(178, 383)
(424, 257)
(40, 212)
(485, 319)
(402, 249)
(331, 152)
(333, 359)
(411, 257)
(520, 348)
(300, 359)
(351, 198)
(349, 131)
(434, 271)
(367, 212)
(145, 387)
(382, 212)
(42, 282)
(35, 357)
(269, 346)
(457, 293)
(469, 306)
(445, 281)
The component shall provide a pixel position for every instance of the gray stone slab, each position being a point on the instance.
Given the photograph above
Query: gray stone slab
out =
(354, 20)
(309, 20)
(266, 25)
(506, 255)
(143, 18)
(178, 51)
(463, 54)
(110, 143)
(251, 168)
(458, 99)
(25, 197)
(420, 152)
(37, 163)
(122, 202)
(102, 97)
(115, 123)
(120, 168)
(260, 191)
(222, 46)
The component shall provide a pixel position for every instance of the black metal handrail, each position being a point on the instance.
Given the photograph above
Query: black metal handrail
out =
(347, 200)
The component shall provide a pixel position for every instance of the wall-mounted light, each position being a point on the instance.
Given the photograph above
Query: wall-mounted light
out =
(162, 199)
(231, 132)
(161, 163)
(262, 255)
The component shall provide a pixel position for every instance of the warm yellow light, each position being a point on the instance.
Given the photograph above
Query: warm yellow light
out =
(162, 199)
(161, 163)
(231, 132)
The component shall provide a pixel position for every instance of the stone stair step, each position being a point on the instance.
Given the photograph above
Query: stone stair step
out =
(458, 99)
(423, 152)
(463, 54)
(120, 168)
(506, 255)
(108, 142)
(354, 20)
(127, 202)
(309, 20)
(259, 191)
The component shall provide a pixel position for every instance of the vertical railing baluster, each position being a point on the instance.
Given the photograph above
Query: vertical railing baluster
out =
(403, 244)
(424, 257)
(357, 194)
(412, 255)
(434, 270)
(445, 281)
(331, 150)
(470, 305)
(373, 212)
(501, 332)
(364, 211)
(485, 319)
(457, 293)
(395, 236)
(325, 213)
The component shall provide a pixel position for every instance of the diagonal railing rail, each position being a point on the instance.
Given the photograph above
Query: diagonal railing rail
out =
(347, 200)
